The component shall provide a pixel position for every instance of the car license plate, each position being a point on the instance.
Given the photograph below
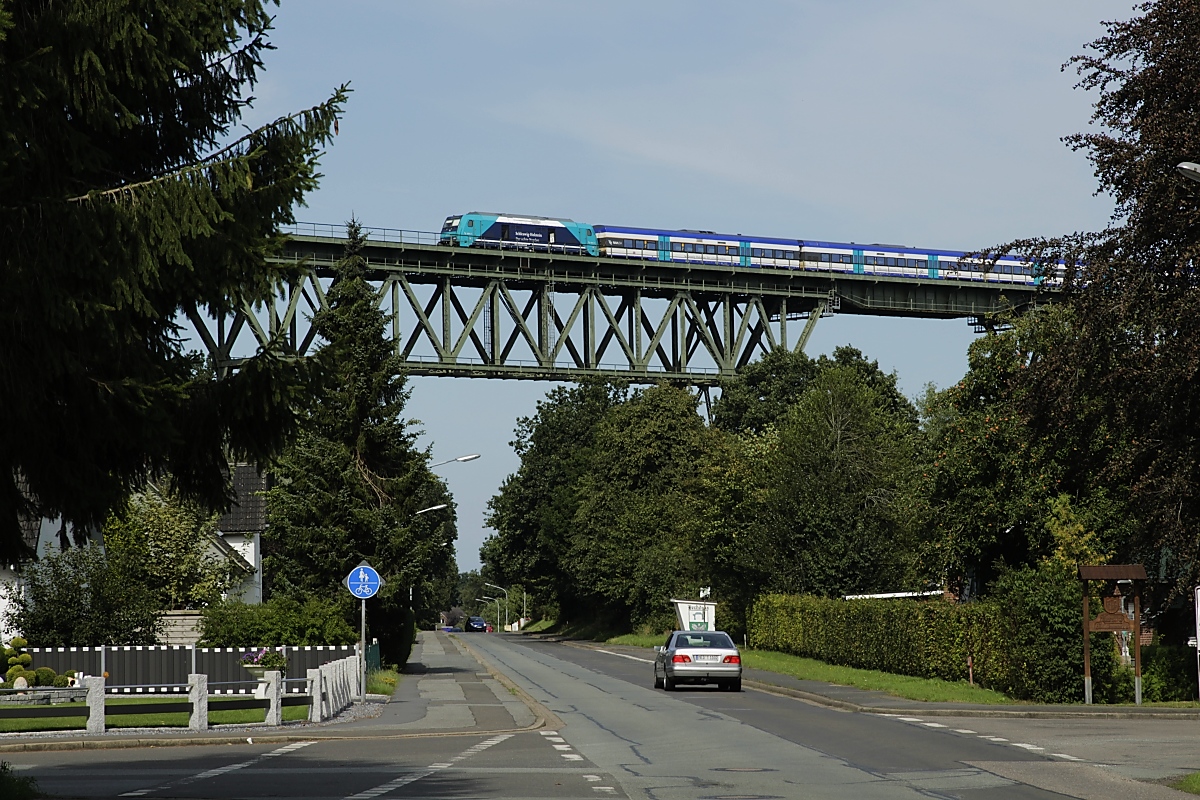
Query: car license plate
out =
(708, 659)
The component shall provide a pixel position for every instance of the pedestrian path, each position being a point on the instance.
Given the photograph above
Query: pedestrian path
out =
(445, 688)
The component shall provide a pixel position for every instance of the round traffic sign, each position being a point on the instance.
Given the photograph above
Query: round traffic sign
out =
(363, 582)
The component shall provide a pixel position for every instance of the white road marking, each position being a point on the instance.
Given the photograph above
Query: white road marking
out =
(1027, 746)
(1067, 757)
(561, 746)
(908, 719)
(213, 773)
(933, 725)
(994, 738)
(571, 756)
(555, 739)
(432, 769)
(592, 778)
(631, 658)
(605, 789)
(962, 730)
(549, 733)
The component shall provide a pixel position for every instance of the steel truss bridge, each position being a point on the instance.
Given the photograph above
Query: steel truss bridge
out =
(487, 313)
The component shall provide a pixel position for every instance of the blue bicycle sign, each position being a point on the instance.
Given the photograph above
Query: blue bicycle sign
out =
(363, 582)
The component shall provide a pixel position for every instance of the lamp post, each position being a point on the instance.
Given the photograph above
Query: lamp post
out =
(501, 588)
(489, 599)
(471, 457)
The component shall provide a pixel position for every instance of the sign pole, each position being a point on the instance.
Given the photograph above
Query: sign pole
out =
(363, 582)
(362, 655)
(1196, 610)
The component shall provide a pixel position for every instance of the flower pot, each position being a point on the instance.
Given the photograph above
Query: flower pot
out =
(255, 670)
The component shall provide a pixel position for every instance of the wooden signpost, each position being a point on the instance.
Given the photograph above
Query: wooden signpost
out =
(1113, 618)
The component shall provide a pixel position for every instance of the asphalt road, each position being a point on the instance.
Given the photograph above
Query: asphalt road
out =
(622, 738)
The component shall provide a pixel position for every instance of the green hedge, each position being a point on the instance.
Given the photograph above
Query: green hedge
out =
(277, 622)
(1024, 640)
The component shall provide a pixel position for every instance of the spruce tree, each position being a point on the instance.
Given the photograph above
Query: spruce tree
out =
(126, 202)
(349, 486)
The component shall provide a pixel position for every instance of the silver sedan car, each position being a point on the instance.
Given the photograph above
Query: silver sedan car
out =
(698, 657)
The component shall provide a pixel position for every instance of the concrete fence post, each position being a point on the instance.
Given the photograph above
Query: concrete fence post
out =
(274, 679)
(198, 697)
(314, 695)
(95, 703)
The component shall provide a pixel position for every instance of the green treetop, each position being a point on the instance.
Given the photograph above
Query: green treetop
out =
(126, 202)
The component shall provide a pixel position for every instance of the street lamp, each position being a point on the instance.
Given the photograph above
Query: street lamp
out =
(471, 457)
(501, 588)
(497, 599)
(1189, 169)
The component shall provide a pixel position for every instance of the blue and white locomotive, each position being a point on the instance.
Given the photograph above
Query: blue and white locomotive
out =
(508, 231)
(516, 232)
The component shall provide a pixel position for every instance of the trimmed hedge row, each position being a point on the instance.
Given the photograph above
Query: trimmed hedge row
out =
(1024, 640)
(924, 639)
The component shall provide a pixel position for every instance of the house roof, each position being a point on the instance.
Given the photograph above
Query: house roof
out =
(248, 512)
(1113, 572)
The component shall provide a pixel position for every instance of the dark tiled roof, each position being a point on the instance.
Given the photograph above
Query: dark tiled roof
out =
(248, 513)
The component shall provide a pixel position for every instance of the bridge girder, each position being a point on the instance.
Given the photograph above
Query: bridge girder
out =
(539, 316)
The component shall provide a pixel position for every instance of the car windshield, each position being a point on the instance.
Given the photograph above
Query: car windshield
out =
(703, 640)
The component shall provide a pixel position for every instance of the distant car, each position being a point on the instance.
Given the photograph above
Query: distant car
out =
(476, 624)
(698, 657)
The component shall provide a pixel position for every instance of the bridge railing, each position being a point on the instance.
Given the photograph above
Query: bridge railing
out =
(403, 236)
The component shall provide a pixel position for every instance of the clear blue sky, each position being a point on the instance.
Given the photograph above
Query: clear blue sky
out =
(926, 123)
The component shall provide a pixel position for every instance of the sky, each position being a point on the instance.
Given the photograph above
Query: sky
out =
(933, 124)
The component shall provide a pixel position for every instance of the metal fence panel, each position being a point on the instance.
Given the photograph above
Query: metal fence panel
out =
(135, 669)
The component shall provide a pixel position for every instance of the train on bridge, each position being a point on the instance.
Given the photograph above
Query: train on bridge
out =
(552, 234)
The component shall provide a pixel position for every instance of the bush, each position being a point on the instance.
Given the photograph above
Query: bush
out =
(13, 787)
(1024, 639)
(78, 598)
(61, 682)
(45, 676)
(14, 672)
(1168, 673)
(282, 621)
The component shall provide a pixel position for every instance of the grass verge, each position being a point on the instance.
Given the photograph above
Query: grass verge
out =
(639, 639)
(930, 690)
(150, 720)
(540, 625)
(382, 682)
(16, 787)
(1188, 783)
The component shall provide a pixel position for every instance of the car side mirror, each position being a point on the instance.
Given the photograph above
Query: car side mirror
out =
(658, 648)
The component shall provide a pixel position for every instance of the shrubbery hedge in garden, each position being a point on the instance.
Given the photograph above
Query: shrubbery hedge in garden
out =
(1024, 639)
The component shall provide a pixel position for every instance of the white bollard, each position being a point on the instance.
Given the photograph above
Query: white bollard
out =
(274, 679)
(198, 697)
(95, 703)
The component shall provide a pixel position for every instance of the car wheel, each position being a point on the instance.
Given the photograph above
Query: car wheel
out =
(735, 685)
(668, 683)
(658, 682)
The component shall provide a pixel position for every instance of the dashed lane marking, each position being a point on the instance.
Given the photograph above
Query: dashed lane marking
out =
(432, 769)
(213, 773)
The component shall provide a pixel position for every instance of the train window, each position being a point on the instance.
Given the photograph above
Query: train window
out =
(470, 223)
(825, 256)
(677, 247)
(710, 249)
(588, 232)
(628, 243)
(756, 252)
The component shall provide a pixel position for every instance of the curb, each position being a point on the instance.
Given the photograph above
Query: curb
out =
(543, 717)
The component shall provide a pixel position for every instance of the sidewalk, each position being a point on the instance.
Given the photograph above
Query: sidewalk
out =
(445, 690)
(849, 698)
